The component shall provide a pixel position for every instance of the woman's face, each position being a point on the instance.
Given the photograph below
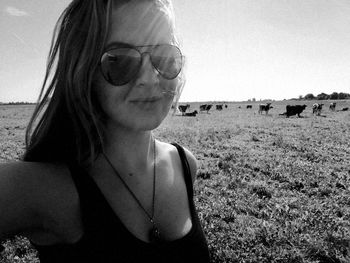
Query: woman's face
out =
(139, 105)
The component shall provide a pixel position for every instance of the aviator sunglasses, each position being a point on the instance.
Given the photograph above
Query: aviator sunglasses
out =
(121, 64)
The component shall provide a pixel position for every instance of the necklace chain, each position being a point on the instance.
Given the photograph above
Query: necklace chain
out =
(151, 217)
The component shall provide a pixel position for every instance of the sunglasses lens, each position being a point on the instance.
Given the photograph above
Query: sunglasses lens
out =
(119, 66)
(167, 59)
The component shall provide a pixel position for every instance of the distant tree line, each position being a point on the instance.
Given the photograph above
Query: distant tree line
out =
(17, 103)
(324, 96)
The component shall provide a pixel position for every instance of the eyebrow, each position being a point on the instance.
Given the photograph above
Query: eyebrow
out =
(117, 44)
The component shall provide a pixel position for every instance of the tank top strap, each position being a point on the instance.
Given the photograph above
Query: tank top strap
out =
(91, 203)
(186, 169)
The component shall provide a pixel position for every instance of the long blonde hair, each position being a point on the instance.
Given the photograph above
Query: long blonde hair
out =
(65, 124)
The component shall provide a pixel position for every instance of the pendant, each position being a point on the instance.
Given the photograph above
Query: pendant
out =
(154, 235)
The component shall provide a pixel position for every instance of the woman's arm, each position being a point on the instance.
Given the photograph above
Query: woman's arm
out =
(17, 199)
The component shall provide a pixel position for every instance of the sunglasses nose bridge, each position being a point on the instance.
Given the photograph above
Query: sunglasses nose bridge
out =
(144, 55)
(147, 72)
(146, 61)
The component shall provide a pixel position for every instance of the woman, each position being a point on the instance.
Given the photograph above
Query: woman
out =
(95, 185)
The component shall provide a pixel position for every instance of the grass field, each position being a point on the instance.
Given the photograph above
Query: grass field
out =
(269, 188)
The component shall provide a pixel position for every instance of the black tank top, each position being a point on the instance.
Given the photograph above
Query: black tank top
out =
(106, 239)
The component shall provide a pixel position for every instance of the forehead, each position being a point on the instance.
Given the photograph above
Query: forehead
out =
(141, 23)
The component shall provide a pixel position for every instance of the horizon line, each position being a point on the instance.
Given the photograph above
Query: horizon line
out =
(207, 101)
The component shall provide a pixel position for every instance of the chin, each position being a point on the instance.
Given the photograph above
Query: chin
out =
(148, 124)
(151, 120)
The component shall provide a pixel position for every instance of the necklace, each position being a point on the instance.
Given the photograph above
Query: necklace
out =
(154, 234)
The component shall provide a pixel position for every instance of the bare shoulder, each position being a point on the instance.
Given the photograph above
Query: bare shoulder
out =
(28, 192)
(192, 161)
(34, 174)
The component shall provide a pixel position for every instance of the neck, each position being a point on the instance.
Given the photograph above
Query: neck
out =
(131, 149)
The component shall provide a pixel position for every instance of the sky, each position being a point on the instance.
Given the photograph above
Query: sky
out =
(235, 49)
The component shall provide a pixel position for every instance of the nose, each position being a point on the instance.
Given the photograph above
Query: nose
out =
(147, 74)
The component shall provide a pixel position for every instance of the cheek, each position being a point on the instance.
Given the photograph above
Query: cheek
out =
(106, 93)
(169, 88)
(103, 95)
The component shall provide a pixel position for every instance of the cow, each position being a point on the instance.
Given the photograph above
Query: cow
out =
(344, 109)
(317, 108)
(205, 107)
(225, 106)
(332, 106)
(202, 107)
(183, 108)
(191, 114)
(249, 106)
(294, 110)
(265, 107)
(208, 107)
(219, 107)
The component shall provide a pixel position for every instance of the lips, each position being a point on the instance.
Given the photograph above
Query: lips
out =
(146, 100)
